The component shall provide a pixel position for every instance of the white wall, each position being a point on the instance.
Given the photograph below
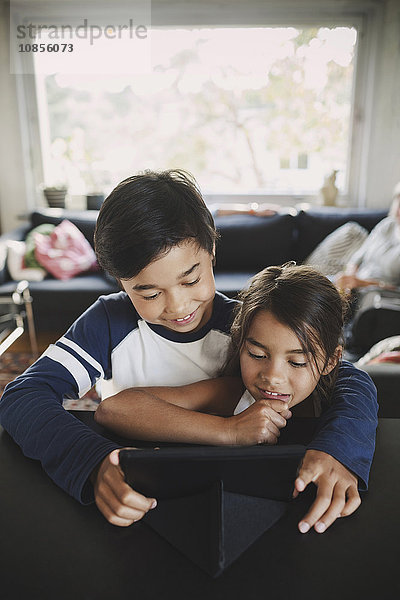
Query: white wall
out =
(381, 167)
(13, 189)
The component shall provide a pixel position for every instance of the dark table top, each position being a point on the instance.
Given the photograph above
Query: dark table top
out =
(51, 547)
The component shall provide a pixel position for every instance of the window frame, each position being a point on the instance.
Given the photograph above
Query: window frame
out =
(363, 15)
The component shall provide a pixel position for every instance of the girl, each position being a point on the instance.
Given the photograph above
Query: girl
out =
(287, 338)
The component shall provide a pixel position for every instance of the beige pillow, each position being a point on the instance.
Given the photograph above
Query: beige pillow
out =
(335, 251)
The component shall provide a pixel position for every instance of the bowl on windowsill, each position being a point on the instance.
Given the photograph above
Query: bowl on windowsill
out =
(94, 200)
(55, 196)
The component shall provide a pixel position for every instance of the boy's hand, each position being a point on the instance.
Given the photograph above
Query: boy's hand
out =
(337, 494)
(258, 424)
(118, 502)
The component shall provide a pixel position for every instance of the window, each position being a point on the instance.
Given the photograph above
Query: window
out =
(302, 161)
(263, 110)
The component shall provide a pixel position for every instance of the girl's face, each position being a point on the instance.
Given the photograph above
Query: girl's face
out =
(273, 364)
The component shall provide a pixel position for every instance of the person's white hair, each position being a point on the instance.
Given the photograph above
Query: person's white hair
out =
(396, 200)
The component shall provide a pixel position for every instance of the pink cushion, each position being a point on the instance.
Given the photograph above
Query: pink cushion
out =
(65, 252)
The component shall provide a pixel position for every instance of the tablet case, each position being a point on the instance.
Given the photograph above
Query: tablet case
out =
(213, 502)
(214, 526)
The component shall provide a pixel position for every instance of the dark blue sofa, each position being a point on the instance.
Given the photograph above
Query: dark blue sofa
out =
(247, 245)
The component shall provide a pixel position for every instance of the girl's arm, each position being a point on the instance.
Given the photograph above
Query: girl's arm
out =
(173, 414)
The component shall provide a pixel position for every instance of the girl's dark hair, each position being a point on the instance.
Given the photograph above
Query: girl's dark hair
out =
(303, 300)
(145, 216)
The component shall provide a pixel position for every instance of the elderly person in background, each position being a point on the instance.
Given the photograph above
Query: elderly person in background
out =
(377, 261)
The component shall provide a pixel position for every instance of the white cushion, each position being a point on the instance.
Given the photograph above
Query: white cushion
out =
(15, 263)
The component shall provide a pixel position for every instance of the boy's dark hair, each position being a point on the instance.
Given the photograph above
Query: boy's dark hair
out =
(302, 299)
(145, 216)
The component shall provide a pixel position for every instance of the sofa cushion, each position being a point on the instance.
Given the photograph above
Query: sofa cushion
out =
(65, 252)
(315, 225)
(57, 303)
(231, 282)
(85, 220)
(335, 251)
(18, 235)
(16, 263)
(249, 243)
(386, 377)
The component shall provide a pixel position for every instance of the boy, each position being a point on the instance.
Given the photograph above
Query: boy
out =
(167, 328)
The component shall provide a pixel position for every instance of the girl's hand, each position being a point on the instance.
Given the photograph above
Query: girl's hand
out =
(337, 494)
(258, 424)
(115, 499)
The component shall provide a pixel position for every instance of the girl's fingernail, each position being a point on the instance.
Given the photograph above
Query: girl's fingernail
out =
(320, 527)
(154, 504)
(304, 527)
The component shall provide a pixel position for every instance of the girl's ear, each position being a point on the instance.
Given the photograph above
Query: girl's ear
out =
(333, 361)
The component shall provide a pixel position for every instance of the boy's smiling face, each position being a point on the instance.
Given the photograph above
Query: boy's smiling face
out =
(176, 290)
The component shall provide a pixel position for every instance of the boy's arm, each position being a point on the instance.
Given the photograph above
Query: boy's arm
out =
(339, 458)
(31, 408)
(347, 428)
(31, 412)
(81, 462)
(217, 396)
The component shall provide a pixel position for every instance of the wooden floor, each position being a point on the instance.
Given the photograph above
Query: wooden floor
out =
(44, 338)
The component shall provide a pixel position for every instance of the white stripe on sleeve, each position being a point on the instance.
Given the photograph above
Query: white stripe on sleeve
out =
(77, 370)
(83, 354)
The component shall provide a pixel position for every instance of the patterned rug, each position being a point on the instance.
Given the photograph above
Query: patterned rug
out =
(15, 363)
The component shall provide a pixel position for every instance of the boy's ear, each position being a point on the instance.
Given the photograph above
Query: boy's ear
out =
(333, 361)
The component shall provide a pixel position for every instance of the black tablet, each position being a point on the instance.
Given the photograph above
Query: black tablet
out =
(172, 472)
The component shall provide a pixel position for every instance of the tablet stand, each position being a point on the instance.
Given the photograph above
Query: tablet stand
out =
(215, 527)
